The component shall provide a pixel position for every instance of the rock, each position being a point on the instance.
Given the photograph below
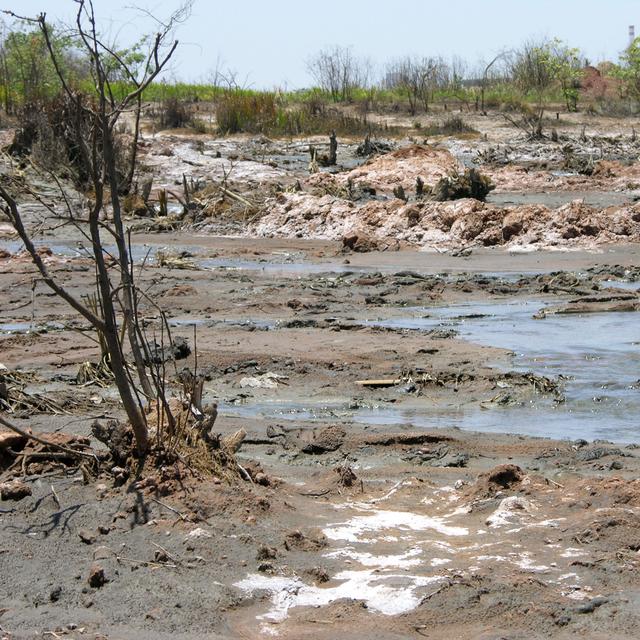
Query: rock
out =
(11, 440)
(266, 553)
(510, 510)
(55, 593)
(268, 380)
(88, 537)
(179, 349)
(359, 242)
(197, 534)
(470, 184)
(312, 541)
(504, 476)
(161, 556)
(592, 605)
(118, 438)
(512, 225)
(234, 441)
(329, 439)
(320, 574)
(97, 577)
(102, 553)
(262, 479)
(346, 475)
(101, 491)
(14, 490)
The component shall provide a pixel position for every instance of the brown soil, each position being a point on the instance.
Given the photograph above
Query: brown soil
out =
(344, 528)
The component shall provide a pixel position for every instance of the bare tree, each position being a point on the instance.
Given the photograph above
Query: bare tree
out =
(338, 72)
(417, 78)
(533, 72)
(118, 298)
(488, 76)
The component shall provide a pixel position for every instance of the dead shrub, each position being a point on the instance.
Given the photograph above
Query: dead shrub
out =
(55, 135)
(449, 127)
(470, 184)
(175, 114)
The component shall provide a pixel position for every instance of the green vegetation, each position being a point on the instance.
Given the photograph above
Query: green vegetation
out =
(524, 82)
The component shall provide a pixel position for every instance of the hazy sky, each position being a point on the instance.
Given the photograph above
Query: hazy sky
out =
(268, 41)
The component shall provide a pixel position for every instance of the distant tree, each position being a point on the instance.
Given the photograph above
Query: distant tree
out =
(27, 73)
(417, 78)
(566, 67)
(629, 70)
(534, 72)
(338, 72)
(489, 75)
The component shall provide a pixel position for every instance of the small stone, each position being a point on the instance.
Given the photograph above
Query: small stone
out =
(96, 576)
(265, 567)
(320, 574)
(616, 465)
(101, 491)
(86, 536)
(103, 529)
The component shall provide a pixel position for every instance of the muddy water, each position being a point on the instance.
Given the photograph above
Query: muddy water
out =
(554, 199)
(596, 356)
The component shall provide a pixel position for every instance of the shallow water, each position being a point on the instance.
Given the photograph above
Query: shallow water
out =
(598, 353)
(283, 267)
(559, 198)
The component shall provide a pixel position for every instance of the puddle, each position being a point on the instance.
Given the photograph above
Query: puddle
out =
(68, 249)
(16, 327)
(27, 327)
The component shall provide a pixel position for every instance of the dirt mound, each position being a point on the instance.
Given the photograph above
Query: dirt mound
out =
(383, 174)
(500, 478)
(378, 223)
(607, 175)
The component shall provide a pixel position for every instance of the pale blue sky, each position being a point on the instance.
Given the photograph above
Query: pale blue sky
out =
(268, 42)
